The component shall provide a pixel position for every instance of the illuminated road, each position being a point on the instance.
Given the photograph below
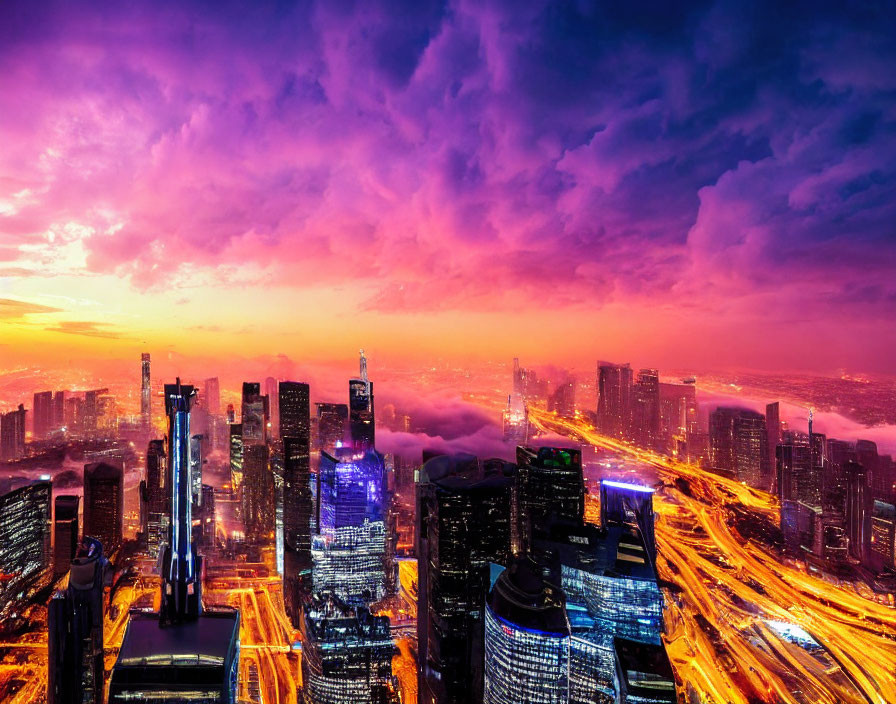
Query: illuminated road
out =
(734, 596)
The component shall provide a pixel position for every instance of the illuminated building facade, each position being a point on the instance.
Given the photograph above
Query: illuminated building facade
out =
(104, 504)
(65, 532)
(236, 455)
(145, 391)
(24, 542)
(347, 654)
(154, 494)
(12, 434)
(527, 639)
(298, 513)
(75, 642)
(196, 462)
(257, 493)
(550, 487)
(295, 410)
(516, 420)
(622, 503)
(883, 536)
(858, 509)
(738, 444)
(646, 409)
(464, 523)
(643, 673)
(255, 413)
(42, 414)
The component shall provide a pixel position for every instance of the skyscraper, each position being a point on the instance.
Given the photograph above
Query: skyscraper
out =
(295, 410)
(563, 400)
(155, 497)
(183, 653)
(464, 523)
(75, 643)
(361, 414)
(145, 391)
(65, 532)
(614, 402)
(858, 514)
(297, 522)
(737, 442)
(255, 414)
(646, 409)
(104, 504)
(331, 422)
(236, 455)
(42, 416)
(24, 542)
(773, 431)
(12, 434)
(629, 504)
(549, 487)
(257, 491)
(526, 638)
(196, 462)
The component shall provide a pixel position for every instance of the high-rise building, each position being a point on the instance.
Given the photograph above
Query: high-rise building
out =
(12, 434)
(464, 523)
(527, 638)
(737, 443)
(331, 421)
(361, 411)
(773, 431)
(295, 410)
(24, 542)
(346, 653)
(104, 504)
(882, 546)
(273, 397)
(59, 410)
(614, 402)
(298, 515)
(236, 455)
(75, 642)
(257, 491)
(155, 497)
(679, 426)
(145, 391)
(622, 503)
(255, 414)
(549, 487)
(212, 393)
(65, 532)
(42, 415)
(183, 653)
(196, 462)
(646, 409)
(858, 513)
(348, 549)
(643, 673)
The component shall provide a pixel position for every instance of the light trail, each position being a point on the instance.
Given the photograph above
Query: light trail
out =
(729, 587)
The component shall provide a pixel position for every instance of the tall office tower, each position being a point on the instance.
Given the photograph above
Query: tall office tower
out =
(73, 413)
(629, 504)
(611, 590)
(145, 391)
(295, 410)
(65, 532)
(549, 487)
(526, 638)
(646, 409)
(517, 377)
(464, 523)
(563, 400)
(297, 520)
(59, 410)
(721, 438)
(773, 431)
(255, 414)
(196, 462)
(273, 396)
(346, 654)
(794, 467)
(858, 514)
(183, 653)
(91, 410)
(331, 421)
(348, 550)
(12, 434)
(516, 420)
(614, 402)
(75, 643)
(236, 455)
(750, 450)
(361, 416)
(42, 414)
(866, 455)
(104, 504)
(155, 494)
(258, 499)
(24, 542)
(212, 393)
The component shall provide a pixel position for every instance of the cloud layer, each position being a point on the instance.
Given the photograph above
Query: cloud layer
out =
(735, 164)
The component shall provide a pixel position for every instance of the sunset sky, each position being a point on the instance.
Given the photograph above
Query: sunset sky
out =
(559, 181)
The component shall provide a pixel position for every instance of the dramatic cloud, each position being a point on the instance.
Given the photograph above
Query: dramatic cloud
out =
(735, 164)
(11, 309)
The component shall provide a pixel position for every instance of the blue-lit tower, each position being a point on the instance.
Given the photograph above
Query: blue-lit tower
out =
(181, 563)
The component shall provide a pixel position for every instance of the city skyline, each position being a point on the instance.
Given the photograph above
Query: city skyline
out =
(684, 185)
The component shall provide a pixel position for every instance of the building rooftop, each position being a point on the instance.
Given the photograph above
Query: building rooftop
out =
(209, 640)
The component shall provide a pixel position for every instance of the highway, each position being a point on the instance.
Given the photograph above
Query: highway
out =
(734, 598)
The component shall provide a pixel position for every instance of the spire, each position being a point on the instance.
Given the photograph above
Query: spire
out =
(363, 366)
